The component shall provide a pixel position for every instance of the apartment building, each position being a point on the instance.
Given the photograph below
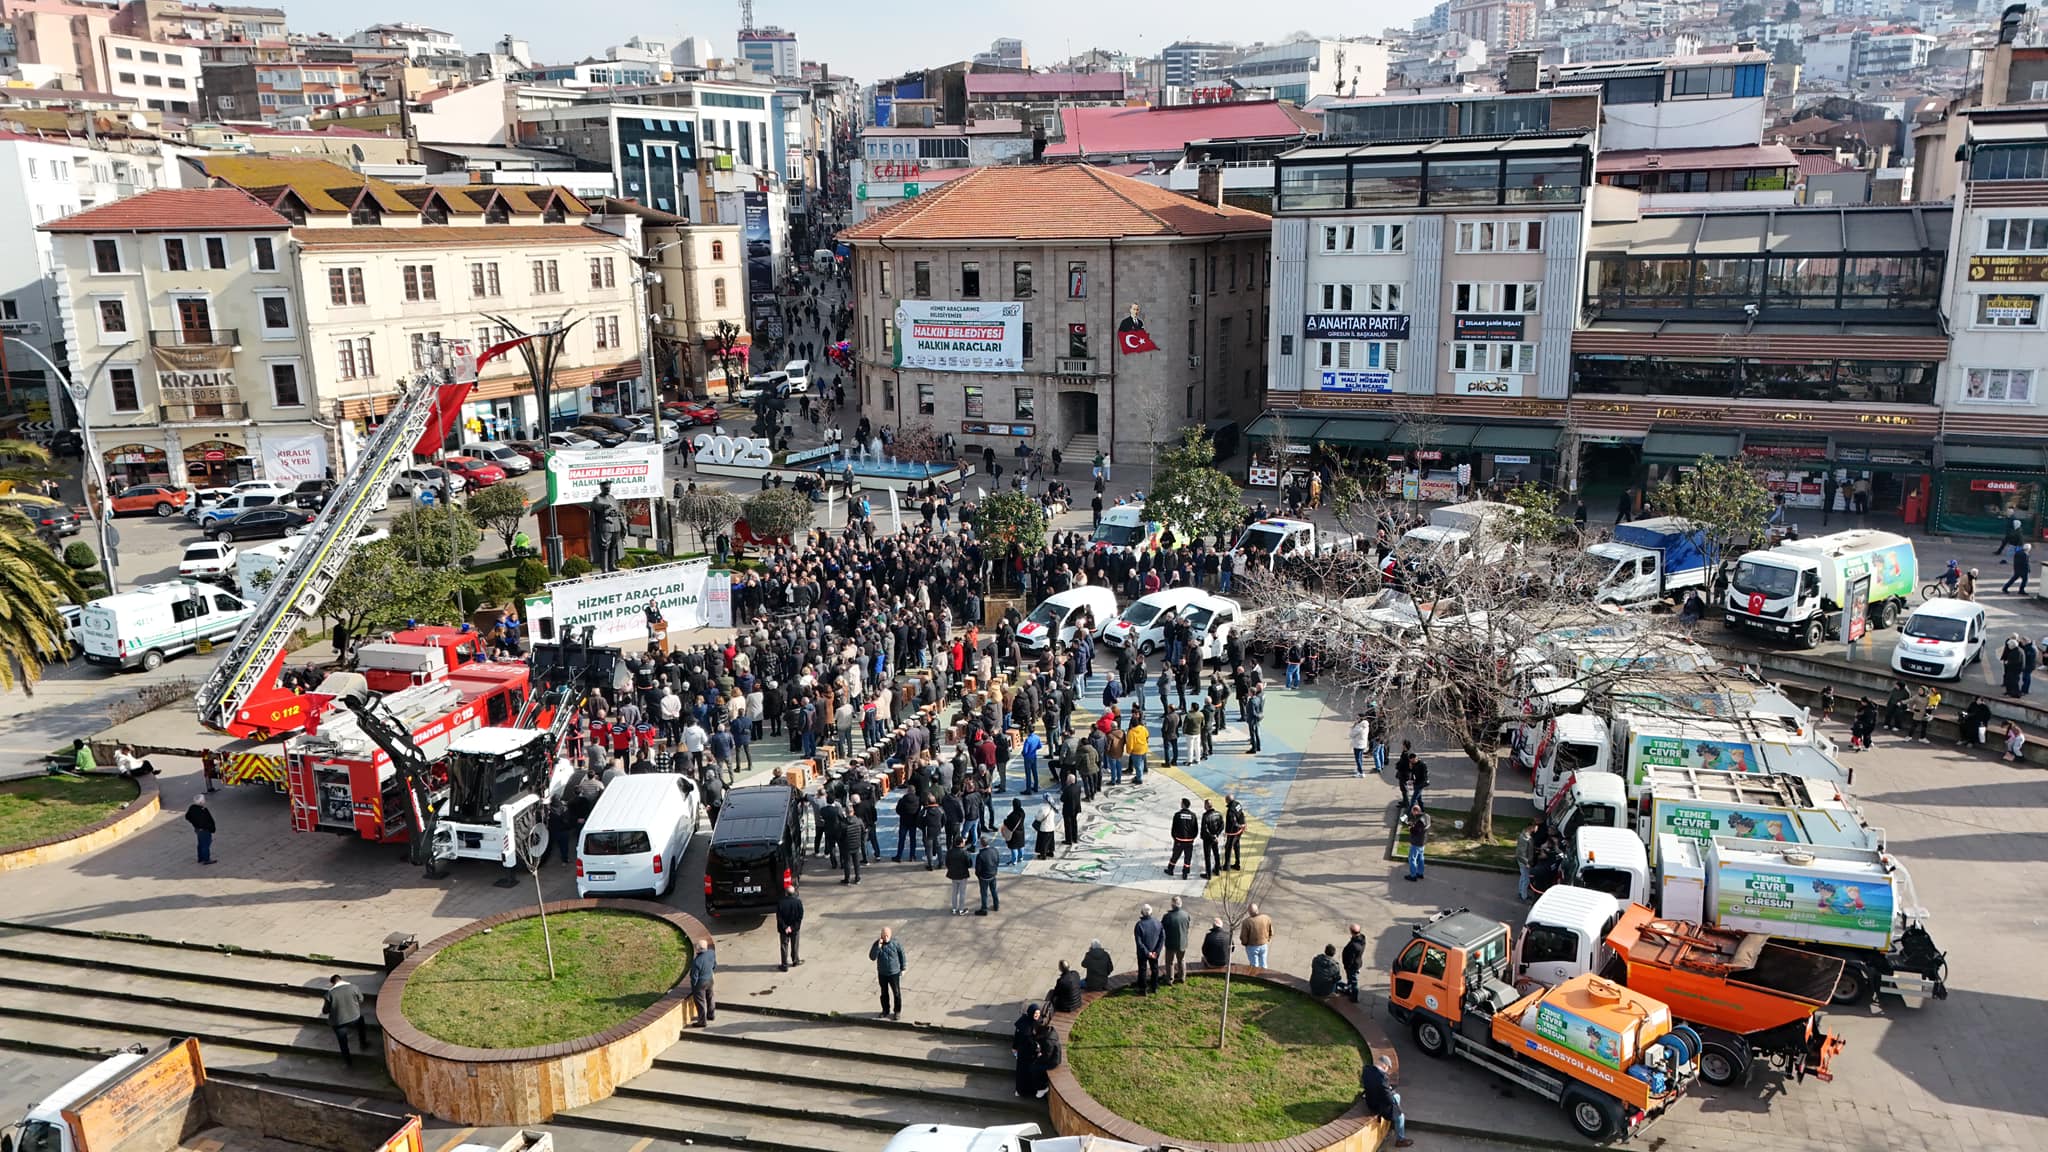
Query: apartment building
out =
(700, 282)
(1710, 101)
(161, 77)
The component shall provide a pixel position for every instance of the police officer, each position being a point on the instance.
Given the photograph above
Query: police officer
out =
(1212, 831)
(1185, 826)
(1233, 833)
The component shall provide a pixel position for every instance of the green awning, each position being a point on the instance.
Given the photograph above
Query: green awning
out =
(1686, 447)
(1456, 436)
(1263, 426)
(1353, 431)
(1990, 456)
(1516, 438)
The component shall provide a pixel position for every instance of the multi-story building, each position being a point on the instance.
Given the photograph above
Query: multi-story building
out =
(1710, 101)
(280, 88)
(1302, 70)
(1005, 52)
(1501, 23)
(1426, 271)
(1186, 61)
(898, 164)
(700, 282)
(1854, 57)
(1681, 178)
(168, 20)
(772, 52)
(1047, 264)
(190, 299)
(1035, 98)
(415, 40)
(162, 77)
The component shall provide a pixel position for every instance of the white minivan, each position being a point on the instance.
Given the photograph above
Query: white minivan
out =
(636, 835)
(1061, 615)
(142, 627)
(799, 374)
(1142, 625)
(1940, 639)
(512, 462)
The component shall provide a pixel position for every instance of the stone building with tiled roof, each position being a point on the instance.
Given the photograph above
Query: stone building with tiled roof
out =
(991, 308)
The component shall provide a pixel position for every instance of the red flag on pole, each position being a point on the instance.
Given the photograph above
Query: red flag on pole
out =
(1135, 340)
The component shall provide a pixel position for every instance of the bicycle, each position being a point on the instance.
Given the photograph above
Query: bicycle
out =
(1935, 590)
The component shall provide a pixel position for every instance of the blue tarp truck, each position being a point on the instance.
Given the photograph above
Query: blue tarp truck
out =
(1654, 559)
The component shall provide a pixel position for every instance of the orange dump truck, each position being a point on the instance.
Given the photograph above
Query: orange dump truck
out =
(1610, 1056)
(1750, 999)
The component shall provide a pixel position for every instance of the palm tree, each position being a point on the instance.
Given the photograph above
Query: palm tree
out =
(33, 578)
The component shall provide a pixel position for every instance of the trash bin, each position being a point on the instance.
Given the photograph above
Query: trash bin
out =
(397, 947)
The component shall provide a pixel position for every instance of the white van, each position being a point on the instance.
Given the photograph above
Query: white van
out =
(1061, 615)
(799, 374)
(1142, 623)
(1213, 618)
(512, 462)
(636, 835)
(143, 627)
(1125, 529)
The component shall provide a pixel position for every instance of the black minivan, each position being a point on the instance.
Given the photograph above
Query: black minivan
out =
(756, 848)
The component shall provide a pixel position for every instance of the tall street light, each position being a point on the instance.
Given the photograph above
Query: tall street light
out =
(96, 467)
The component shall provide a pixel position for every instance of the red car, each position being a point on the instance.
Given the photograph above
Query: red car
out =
(161, 499)
(478, 473)
(691, 411)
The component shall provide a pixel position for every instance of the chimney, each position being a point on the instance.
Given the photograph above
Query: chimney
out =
(1209, 185)
(1745, 45)
(1522, 72)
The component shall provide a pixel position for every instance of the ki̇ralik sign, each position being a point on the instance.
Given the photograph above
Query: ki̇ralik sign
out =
(633, 471)
(615, 603)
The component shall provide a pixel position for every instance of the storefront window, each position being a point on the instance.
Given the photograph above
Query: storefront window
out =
(1813, 381)
(1463, 182)
(137, 464)
(1376, 184)
(1026, 404)
(1986, 504)
(1308, 186)
(217, 462)
(1658, 283)
(974, 404)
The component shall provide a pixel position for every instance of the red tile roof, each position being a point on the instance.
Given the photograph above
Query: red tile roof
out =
(1820, 164)
(1052, 202)
(176, 209)
(1694, 159)
(1121, 131)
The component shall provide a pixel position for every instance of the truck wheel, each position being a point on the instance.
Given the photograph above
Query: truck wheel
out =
(1888, 614)
(152, 660)
(1810, 637)
(1722, 1065)
(1855, 987)
(1597, 1117)
(1431, 1037)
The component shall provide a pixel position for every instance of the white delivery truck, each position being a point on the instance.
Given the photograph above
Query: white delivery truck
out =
(145, 626)
(1799, 589)
(252, 562)
(1857, 904)
(1481, 528)
(1656, 559)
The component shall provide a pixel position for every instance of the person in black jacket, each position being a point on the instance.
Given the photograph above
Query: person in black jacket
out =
(1151, 940)
(1233, 833)
(1098, 966)
(1382, 1101)
(200, 817)
(907, 820)
(1184, 828)
(1216, 945)
(1354, 961)
(1212, 835)
(934, 828)
(1024, 1049)
(988, 864)
(959, 869)
(789, 925)
(1070, 808)
(1050, 1055)
(853, 843)
(1324, 977)
(1066, 990)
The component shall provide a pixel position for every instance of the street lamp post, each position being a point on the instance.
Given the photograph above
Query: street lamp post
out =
(647, 276)
(96, 468)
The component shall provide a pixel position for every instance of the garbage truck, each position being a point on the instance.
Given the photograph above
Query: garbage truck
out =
(161, 1100)
(1801, 589)
(1856, 904)
(1656, 559)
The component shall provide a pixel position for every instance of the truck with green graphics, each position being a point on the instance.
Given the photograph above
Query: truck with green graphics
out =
(1770, 807)
(1801, 589)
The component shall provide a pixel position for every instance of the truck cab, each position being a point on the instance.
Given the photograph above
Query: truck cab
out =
(1565, 935)
(1650, 560)
(1588, 800)
(1610, 860)
(1573, 744)
(1799, 589)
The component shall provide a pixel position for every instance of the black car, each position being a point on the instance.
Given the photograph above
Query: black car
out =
(610, 431)
(756, 848)
(258, 524)
(54, 519)
(310, 494)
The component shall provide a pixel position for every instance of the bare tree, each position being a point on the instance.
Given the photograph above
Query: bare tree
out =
(1240, 895)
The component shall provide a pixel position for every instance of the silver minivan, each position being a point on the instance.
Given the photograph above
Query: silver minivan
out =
(512, 462)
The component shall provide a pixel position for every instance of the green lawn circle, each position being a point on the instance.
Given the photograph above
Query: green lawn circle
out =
(48, 806)
(491, 990)
(1290, 1064)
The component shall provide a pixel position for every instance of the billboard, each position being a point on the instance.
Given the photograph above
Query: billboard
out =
(1507, 328)
(1790, 898)
(634, 471)
(1355, 325)
(290, 459)
(960, 335)
(1380, 382)
(615, 603)
(1702, 821)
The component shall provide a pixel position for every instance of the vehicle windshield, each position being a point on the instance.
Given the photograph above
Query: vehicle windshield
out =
(1119, 535)
(1261, 539)
(615, 843)
(1926, 626)
(1198, 618)
(1046, 614)
(1140, 614)
(1768, 579)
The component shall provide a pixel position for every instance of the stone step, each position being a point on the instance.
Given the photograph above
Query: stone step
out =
(868, 1043)
(210, 1025)
(951, 1083)
(170, 989)
(707, 1126)
(322, 1071)
(153, 957)
(856, 1103)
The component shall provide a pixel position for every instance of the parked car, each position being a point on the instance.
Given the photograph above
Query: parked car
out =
(691, 412)
(610, 431)
(533, 452)
(513, 461)
(203, 499)
(260, 524)
(1940, 639)
(52, 516)
(572, 441)
(476, 473)
(411, 480)
(236, 503)
(310, 494)
(670, 433)
(213, 560)
(766, 382)
(157, 499)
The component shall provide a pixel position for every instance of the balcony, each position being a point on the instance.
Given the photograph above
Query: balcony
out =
(195, 337)
(203, 412)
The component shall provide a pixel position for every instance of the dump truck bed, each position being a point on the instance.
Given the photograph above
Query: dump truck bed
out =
(1786, 971)
(219, 1139)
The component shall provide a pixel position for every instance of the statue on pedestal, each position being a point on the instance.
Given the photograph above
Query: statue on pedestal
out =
(607, 529)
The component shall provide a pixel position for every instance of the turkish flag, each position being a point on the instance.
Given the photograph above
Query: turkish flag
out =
(1135, 340)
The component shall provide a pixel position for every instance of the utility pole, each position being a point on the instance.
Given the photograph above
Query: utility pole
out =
(94, 474)
(541, 350)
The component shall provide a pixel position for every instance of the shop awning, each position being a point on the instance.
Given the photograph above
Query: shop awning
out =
(1438, 435)
(1354, 431)
(1685, 447)
(1516, 438)
(1991, 456)
(1262, 427)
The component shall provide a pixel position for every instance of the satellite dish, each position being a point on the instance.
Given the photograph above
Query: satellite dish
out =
(356, 150)
(138, 121)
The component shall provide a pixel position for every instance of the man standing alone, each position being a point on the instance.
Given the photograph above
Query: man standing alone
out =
(1256, 935)
(889, 964)
(1418, 835)
(200, 817)
(1361, 743)
(703, 968)
(789, 926)
(345, 1007)
(1176, 926)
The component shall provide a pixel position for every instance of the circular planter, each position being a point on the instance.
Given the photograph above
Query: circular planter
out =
(496, 1087)
(130, 818)
(1076, 1113)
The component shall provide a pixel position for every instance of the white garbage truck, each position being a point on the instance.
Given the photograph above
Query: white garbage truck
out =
(1800, 589)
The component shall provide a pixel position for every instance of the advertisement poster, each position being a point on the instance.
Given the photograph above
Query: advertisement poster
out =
(1647, 752)
(1490, 328)
(718, 599)
(634, 471)
(960, 335)
(1701, 821)
(1487, 383)
(1574, 1032)
(1800, 489)
(1855, 614)
(290, 459)
(1438, 486)
(1379, 382)
(615, 603)
(1782, 898)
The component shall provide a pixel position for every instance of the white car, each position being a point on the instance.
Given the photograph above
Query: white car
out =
(207, 560)
(1940, 639)
(671, 432)
(512, 462)
(1142, 623)
(798, 373)
(571, 441)
(412, 480)
(758, 386)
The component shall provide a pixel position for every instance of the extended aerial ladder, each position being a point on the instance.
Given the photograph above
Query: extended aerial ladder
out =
(242, 696)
